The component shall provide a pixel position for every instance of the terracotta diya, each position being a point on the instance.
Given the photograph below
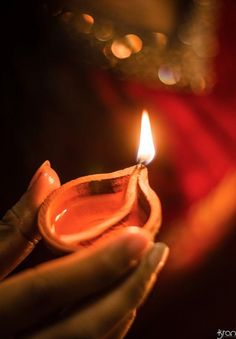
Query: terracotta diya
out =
(85, 209)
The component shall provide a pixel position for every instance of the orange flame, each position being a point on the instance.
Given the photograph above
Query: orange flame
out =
(146, 151)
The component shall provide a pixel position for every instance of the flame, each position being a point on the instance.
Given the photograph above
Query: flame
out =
(146, 151)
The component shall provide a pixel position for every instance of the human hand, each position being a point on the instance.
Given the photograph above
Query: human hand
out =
(18, 230)
(93, 293)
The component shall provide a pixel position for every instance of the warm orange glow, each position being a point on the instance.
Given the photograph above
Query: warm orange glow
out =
(161, 39)
(88, 19)
(134, 42)
(120, 50)
(84, 23)
(146, 151)
(124, 47)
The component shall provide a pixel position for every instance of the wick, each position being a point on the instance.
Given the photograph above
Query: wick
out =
(140, 165)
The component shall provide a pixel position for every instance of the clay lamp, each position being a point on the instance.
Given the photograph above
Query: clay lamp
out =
(85, 209)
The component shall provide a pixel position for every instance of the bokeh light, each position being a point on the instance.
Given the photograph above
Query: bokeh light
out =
(84, 23)
(168, 75)
(123, 48)
(66, 17)
(104, 32)
(120, 50)
(161, 39)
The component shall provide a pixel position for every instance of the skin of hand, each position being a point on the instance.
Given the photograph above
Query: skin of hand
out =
(18, 230)
(93, 293)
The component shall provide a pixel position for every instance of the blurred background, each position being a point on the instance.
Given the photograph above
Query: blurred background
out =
(75, 78)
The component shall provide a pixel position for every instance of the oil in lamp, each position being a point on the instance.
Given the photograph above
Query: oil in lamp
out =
(83, 210)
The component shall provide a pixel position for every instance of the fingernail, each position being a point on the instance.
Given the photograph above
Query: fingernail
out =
(158, 256)
(38, 173)
(138, 243)
(46, 182)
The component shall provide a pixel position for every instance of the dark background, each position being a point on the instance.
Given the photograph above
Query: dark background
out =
(55, 105)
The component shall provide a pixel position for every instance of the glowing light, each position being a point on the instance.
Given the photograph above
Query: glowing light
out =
(84, 23)
(88, 19)
(146, 151)
(120, 50)
(60, 214)
(161, 39)
(134, 42)
(168, 76)
(123, 48)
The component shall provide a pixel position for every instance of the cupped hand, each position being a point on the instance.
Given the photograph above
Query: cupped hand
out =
(93, 293)
(18, 228)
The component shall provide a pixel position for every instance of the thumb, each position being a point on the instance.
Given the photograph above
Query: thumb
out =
(18, 230)
(22, 214)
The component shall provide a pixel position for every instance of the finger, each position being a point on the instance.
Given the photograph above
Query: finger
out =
(51, 286)
(18, 230)
(121, 329)
(98, 318)
(22, 214)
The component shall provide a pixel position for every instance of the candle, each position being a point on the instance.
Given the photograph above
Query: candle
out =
(85, 209)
